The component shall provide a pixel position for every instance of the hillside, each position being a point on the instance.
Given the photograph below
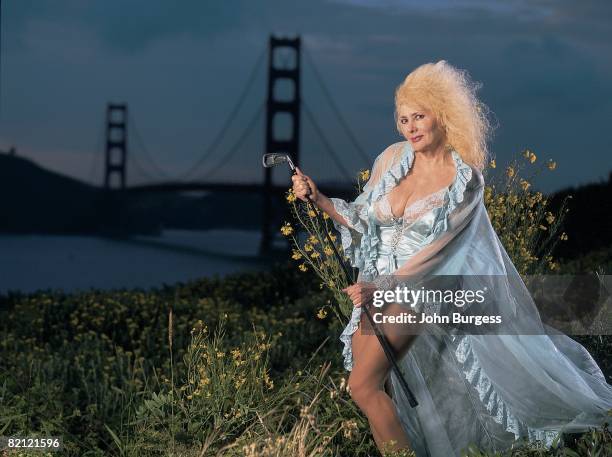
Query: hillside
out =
(43, 201)
(39, 200)
(589, 221)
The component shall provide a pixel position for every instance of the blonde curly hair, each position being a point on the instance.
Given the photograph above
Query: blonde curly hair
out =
(451, 95)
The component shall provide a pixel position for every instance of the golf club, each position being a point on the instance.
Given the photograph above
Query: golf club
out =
(271, 160)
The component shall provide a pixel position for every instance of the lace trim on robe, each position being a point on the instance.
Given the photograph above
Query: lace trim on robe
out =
(412, 212)
(355, 216)
(490, 398)
(464, 353)
(362, 247)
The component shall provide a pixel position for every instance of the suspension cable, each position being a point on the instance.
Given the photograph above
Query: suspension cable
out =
(95, 159)
(238, 143)
(349, 132)
(332, 153)
(148, 157)
(217, 140)
(135, 162)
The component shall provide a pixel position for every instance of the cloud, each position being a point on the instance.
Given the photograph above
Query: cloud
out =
(128, 26)
(180, 65)
(517, 8)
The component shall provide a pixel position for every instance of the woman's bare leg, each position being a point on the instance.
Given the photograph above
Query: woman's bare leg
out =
(370, 371)
(358, 343)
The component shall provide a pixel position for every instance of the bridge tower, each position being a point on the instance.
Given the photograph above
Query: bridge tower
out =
(286, 107)
(116, 143)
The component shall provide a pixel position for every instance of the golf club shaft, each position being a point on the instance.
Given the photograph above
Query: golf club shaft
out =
(349, 274)
(388, 350)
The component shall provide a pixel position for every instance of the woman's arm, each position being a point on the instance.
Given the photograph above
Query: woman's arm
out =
(325, 204)
(305, 189)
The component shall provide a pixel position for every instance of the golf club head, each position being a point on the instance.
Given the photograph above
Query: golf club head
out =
(273, 159)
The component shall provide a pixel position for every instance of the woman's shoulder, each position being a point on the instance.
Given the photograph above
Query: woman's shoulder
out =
(390, 154)
(395, 148)
(391, 150)
(386, 168)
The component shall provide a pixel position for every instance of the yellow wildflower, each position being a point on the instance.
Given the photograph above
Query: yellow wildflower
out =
(552, 164)
(325, 216)
(563, 236)
(322, 314)
(307, 247)
(314, 255)
(350, 428)
(328, 250)
(313, 239)
(525, 184)
(297, 255)
(268, 381)
(364, 175)
(311, 213)
(493, 164)
(303, 267)
(291, 196)
(549, 217)
(510, 172)
(199, 327)
(286, 229)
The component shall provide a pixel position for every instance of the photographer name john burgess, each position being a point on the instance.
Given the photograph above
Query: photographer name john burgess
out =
(435, 318)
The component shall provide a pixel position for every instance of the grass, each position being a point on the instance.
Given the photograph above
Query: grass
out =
(249, 365)
(254, 372)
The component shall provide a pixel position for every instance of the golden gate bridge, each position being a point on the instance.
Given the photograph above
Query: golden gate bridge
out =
(282, 107)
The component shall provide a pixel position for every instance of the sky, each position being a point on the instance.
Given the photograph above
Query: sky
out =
(544, 68)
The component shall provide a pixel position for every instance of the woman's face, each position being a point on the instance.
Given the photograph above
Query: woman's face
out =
(420, 127)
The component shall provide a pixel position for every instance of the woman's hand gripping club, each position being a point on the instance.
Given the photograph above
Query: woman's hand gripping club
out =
(304, 187)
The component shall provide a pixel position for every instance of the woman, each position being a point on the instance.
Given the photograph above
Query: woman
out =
(421, 215)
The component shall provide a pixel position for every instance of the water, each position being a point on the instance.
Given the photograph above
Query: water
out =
(73, 263)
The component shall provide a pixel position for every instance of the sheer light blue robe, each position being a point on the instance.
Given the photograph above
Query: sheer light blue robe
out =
(484, 389)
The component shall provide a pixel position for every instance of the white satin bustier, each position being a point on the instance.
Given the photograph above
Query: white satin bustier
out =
(401, 237)
(378, 243)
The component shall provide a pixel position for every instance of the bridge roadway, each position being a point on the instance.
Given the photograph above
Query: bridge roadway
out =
(344, 192)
